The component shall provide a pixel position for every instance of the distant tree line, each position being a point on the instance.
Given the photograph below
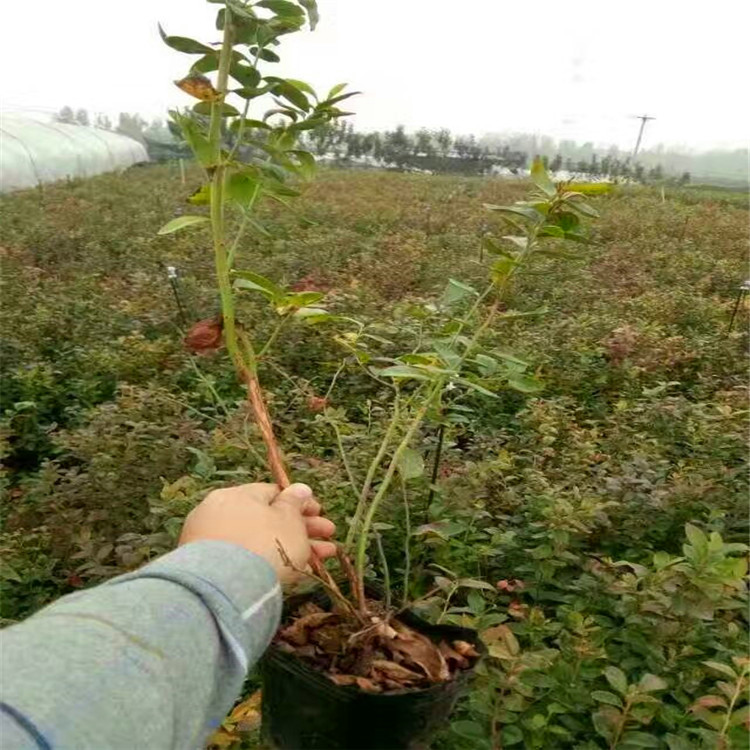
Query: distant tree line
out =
(442, 151)
(155, 135)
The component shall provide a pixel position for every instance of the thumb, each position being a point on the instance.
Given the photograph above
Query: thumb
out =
(293, 497)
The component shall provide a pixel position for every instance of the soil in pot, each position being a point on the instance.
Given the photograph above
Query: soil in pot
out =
(336, 681)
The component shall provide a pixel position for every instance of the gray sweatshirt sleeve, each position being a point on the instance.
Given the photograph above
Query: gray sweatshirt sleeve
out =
(150, 660)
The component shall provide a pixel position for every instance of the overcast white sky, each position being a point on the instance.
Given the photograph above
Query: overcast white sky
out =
(576, 69)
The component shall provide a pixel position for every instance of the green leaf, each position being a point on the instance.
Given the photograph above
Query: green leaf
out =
(198, 142)
(338, 88)
(511, 735)
(450, 357)
(265, 54)
(675, 742)
(715, 720)
(314, 315)
(724, 669)
(541, 179)
(241, 188)
(740, 717)
(298, 299)
(603, 696)
(539, 679)
(403, 371)
(476, 387)
(250, 280)
(302, 86)
(256, 225)
(566, 220)
(584, 208)
(536, 722)
(311, 7)
(184, 44)
(524, 383)
(501, 269)
(617, 679)
(525, 211)
(606, 721)
(454, 292)
(487, 365)
(494, 248)
(202, 196)
(327, 105)
(696, 537)
(181, 222)
(475, 583)
(508, 357)
(204, 108)
(293, 95)
(248, 123)
(472, 730)
(551, 230)
(411, 464)
(650, 682)
(246, 75)
(206, 64)
(639, 739)
(281, 7)
(306, 163)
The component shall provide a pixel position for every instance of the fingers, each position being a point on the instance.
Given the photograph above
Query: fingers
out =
(295, 495)
(311, 508)
(320, 528)
(323, 550)
(259, 492)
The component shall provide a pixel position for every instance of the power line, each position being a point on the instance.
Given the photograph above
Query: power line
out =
(644, 119)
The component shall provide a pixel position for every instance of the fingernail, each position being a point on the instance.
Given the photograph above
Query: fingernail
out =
(299, 491)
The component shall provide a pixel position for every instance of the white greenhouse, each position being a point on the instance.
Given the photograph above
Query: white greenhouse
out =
(35, 151)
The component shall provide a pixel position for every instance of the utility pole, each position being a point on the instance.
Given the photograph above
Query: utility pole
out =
(644, 119)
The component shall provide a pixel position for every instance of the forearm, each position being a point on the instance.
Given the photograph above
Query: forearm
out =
(152, 659)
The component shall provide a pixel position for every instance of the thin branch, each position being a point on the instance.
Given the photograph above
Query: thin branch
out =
(386, 571)
(276, 331)
(382, 450)
(321, 575)
(407, 543)
(334, 379)
(352, 480)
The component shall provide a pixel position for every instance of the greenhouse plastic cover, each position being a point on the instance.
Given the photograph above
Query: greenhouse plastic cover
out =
(34, 151)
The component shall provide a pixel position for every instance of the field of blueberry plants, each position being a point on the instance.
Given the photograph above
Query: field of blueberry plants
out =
(578, 495)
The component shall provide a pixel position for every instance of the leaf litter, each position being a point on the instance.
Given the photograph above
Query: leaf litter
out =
(386, 655)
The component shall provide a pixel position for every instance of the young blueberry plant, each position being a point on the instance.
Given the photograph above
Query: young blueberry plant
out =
(454, 357)
(246, 160)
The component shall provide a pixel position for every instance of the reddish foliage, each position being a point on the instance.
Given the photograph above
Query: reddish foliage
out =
(205, 336)
(510, 586)
(311, 283)
(317, 403)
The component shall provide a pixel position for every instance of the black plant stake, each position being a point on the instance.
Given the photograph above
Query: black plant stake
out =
(743, 290)
(173, 282)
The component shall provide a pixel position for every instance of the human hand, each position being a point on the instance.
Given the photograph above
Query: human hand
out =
(260, 518)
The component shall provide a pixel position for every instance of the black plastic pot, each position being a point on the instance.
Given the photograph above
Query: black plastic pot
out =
(304, 710)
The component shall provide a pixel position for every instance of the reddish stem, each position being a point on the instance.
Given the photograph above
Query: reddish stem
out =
(260, 411)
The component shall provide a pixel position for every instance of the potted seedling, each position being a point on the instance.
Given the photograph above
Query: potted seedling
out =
(360, 672)
(347, 669)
